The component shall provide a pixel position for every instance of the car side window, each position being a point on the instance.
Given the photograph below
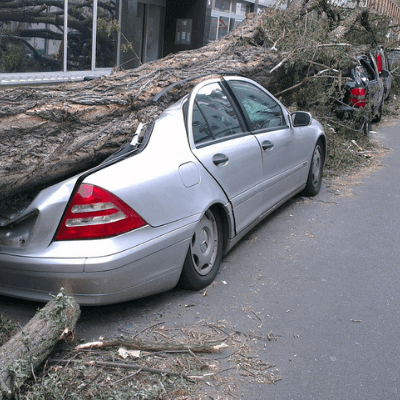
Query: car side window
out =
(213, 115)
(261, 109)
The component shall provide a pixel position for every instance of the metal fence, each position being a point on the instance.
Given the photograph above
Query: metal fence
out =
(385, 7)
(389, 8)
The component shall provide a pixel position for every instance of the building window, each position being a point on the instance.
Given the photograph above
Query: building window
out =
(59, 37)
(226, 15)
(222, 5)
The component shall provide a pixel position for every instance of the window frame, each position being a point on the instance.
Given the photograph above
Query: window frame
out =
(244, 113)
(188, 109)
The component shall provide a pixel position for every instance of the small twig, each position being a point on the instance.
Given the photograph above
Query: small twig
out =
(129, 376)
(228, 335)
(162, 334)
(341, 159)
(121, 365)
(65, 392)
(305, 80)
(293, 87)
(33, 373)
(213, 347)
(223, 370)
(333, 44)
(227, 356)
(256, 316)
(251, 373)
(273, 48)
(282, 62)
(162, 386)
(202, 365)
(324, 66)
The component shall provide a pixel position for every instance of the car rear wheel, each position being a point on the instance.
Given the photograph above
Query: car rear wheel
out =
(378, 116)
(314, 179)
(205, 253)
(365, 127)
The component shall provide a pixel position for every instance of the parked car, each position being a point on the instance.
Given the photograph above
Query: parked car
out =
(168, 206)
(393, 57)
(382, 64)
(364, 92)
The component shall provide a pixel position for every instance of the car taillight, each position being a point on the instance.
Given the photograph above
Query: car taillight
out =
(379, 62)
(357, 97)
(95, 213)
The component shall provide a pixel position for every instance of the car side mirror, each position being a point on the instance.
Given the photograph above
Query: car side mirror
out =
(301, 118)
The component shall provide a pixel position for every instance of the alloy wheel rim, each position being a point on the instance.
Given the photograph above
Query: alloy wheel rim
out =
(204, 245)
(316, 166)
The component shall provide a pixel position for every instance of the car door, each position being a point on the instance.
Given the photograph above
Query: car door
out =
(284, 152)
(375, 83)
(384, 71)
(231, 155)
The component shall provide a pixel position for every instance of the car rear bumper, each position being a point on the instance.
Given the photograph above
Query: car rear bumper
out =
(140, 271)
(346, 111)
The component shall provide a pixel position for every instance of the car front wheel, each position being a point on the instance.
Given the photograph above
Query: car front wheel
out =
(205, 252)
(315, 173)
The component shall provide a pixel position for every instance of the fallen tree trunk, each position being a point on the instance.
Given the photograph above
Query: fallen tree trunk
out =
(24, 352)
(49, 132)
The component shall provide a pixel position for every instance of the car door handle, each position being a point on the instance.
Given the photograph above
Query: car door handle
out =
(266, 144)
(219, 159)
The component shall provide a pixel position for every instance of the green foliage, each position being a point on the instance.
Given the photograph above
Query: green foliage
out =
(85, 382)
(7, 329)
(21, 370)
(311, 75)
(57, 314)
(372, 29)
(107, 27)
(12, 57)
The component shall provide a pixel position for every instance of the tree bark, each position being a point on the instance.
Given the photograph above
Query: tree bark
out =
(24, 352)
(48, 133)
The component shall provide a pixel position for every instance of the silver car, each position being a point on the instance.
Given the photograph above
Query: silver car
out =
(167, 207)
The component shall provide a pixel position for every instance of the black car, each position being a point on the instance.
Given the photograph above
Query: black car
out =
(382, 63)
(364, 92)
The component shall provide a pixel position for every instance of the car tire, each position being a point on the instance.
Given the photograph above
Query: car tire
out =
(378, 117)
(204, 256)
(365, 126)
(315, 173)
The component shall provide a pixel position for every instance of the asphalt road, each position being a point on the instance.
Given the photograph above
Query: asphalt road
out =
(322, 275)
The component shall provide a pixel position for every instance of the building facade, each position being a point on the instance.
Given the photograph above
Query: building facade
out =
(71, 37)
